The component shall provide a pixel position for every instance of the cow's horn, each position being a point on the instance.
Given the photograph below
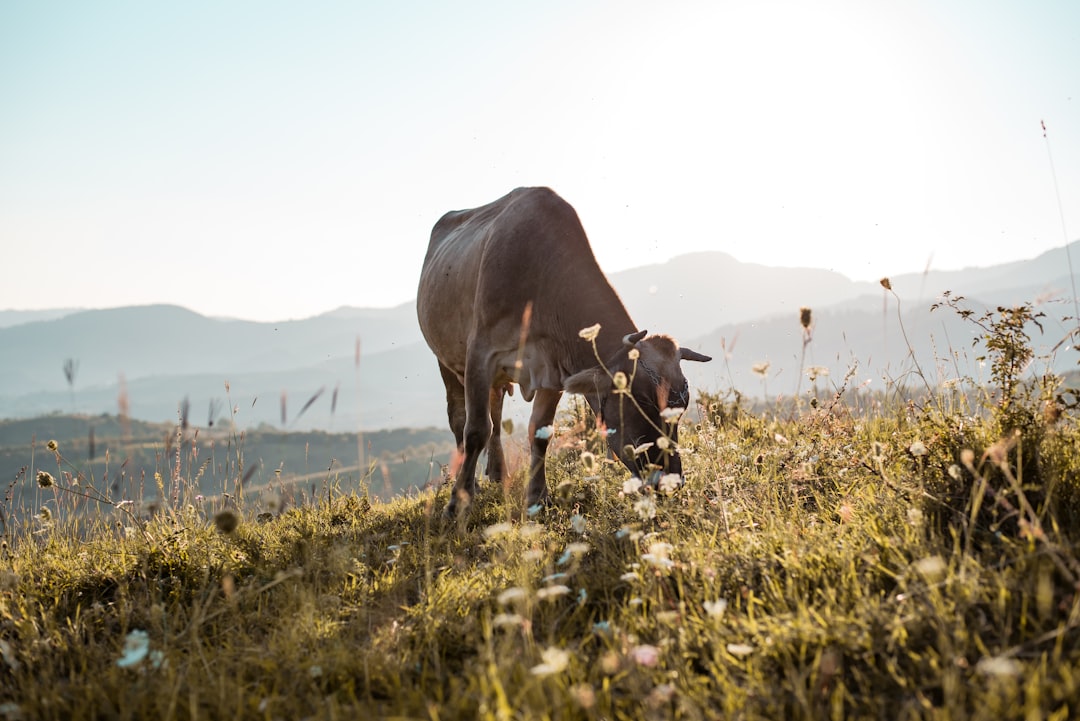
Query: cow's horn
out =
(693, 355)
(631, 338)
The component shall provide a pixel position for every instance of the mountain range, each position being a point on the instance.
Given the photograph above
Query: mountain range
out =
(363, 368)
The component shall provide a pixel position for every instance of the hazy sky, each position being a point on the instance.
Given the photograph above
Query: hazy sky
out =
(273, 160)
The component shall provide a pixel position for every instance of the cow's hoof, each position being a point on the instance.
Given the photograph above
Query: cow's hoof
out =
(459, 503)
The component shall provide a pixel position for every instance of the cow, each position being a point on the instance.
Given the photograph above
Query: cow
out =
(510, 292)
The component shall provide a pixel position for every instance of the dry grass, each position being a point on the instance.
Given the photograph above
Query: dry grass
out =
(906, 563)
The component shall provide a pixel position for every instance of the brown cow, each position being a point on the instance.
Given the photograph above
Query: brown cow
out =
(505, 293)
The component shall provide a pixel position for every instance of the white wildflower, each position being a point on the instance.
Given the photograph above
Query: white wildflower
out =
(136, 647)
(554, 660)
(740, 650)
(552, 591)
(590, 333)
(669, 483)
(511, 594)
(645, 508)
(715, 609)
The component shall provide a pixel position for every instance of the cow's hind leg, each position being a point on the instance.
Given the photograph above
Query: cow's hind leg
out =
(455, 404)
(540, 430)
(496, 463)
(477, 429)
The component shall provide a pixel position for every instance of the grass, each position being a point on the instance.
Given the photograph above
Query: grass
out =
(911, 560)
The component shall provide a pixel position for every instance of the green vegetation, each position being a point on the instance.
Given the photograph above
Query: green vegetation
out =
(126, 459)
(909, 557)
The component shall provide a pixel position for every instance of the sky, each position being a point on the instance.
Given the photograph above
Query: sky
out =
(274, 160)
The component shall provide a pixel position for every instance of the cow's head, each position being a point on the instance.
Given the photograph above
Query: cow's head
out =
(639, 398)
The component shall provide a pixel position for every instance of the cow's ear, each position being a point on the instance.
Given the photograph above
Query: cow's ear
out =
(592, 381)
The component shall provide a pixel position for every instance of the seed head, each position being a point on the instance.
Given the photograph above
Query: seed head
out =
(885, 284)
(226, 521)
(804, 317)
(44, 478)
(590, 333)
(53, 446)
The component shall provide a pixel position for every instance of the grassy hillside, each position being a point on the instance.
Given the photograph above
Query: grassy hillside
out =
(124, 459)
(913, 559)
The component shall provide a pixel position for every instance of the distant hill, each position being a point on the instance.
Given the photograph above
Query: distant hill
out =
(9, 318)
(152, 358)
(120, 457)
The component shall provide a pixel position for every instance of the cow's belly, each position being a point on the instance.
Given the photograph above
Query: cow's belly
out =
(530, 368)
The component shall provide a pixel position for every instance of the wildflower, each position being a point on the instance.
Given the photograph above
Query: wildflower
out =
(44, 514)
(534, 509)
(584, 695)
(999, 666)
(878, 452)
(955, 472)
(544, 432)
(885, 284)
(44, 479)
(554, 660)
(672, 414)
(507, 619)
(590, 333)
(642, 448)
(669, 483)
(553, 577)
(645, 508)
(552, 591)
(659, 555)
(804, 317)
(315, 671)
(610, 663)
(740, 650)
(498, 529)
(629, 576)
(645, 655)
(602, 627)
(632, 485)
(760, 369)
(511, 594)
(619, 381)
(915, 517)
(815, 372)
(967, 457)
(136, 647)
(577, 523)
(917, 449)
(715, 609)
(53, 446)
(661, 695)
(931, 567)
(663, 443)
(589, 461)
(572, 550)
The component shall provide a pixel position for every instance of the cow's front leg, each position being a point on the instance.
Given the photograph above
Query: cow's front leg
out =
(477, 431)
(495, 460)
(543, 413)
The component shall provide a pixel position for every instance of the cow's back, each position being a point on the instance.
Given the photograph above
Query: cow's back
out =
(485, 264)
